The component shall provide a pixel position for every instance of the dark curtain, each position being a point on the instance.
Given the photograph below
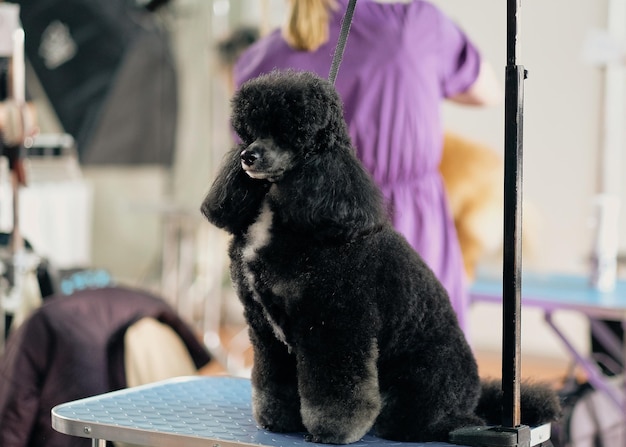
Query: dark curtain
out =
(108, 72)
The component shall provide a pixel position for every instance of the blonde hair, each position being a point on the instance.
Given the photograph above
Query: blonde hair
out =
(307, 23)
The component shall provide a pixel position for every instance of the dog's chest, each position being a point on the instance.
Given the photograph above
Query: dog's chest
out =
(258, 235)
(258, 279)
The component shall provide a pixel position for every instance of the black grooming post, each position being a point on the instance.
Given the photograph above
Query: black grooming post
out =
(511, 433)
(512, 261)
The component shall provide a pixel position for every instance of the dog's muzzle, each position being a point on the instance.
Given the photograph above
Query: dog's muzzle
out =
(253, 160)
(263, 159)
(249, 157)
(252, 154)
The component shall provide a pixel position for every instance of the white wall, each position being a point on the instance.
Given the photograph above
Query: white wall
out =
(562, 115)
(562, 142)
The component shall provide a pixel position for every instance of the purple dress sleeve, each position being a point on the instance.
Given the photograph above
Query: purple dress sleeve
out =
(401, 60)
(461, 63)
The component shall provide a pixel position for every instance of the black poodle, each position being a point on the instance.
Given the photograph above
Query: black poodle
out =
(351, 330)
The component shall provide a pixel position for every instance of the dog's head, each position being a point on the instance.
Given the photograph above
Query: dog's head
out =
(283, 118)
(296, 155)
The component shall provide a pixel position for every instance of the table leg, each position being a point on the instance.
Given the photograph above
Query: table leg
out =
(593, 371)
(609, 341)
(623, 378)
(98, 443)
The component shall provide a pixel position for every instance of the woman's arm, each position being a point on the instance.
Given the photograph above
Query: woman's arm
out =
(485, 91)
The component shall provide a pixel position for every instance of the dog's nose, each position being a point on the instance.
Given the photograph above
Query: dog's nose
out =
(249, 157)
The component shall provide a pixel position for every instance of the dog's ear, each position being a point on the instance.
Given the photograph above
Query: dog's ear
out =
(330, 196)
(234, 200)
(331, 128)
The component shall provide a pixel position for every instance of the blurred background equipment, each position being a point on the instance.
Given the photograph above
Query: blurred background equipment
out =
(103, 64)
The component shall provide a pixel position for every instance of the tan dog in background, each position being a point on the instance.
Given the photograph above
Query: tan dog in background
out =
(473, 174)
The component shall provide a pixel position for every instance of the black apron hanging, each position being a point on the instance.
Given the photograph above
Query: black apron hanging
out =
(108, 73)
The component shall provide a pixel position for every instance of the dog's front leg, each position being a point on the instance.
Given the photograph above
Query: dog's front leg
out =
(339, 392)
(275, 399)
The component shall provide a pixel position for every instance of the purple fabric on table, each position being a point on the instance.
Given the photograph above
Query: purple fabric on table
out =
(400, 61)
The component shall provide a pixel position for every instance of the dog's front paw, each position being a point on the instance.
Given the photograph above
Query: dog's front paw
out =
(332, 438)
(312, 438)
(275, 414)
(280, 423)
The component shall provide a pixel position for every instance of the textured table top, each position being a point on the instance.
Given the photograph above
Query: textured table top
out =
(182, 412)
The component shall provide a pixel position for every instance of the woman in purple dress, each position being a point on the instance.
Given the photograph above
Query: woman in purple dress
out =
(402, 58)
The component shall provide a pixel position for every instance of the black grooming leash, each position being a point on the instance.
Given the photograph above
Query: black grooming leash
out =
(346, 22)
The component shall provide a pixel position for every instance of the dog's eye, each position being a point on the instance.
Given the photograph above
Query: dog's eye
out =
(246, 136)
(243, 131)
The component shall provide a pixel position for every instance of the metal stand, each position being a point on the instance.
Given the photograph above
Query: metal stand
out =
(12, 47)
(511, 433)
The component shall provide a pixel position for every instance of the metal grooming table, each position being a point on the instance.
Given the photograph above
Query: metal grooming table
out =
(181, 412)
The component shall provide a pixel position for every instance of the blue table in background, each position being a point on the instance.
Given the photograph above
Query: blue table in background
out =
(558, 292)
(555, 292)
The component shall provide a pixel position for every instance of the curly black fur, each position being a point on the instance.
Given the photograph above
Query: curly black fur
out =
(538, 401)
(351, 330)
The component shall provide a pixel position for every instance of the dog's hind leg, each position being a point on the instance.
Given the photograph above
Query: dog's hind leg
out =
(340, 399)
(440, 431)
(407, 428)
(425, 404)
